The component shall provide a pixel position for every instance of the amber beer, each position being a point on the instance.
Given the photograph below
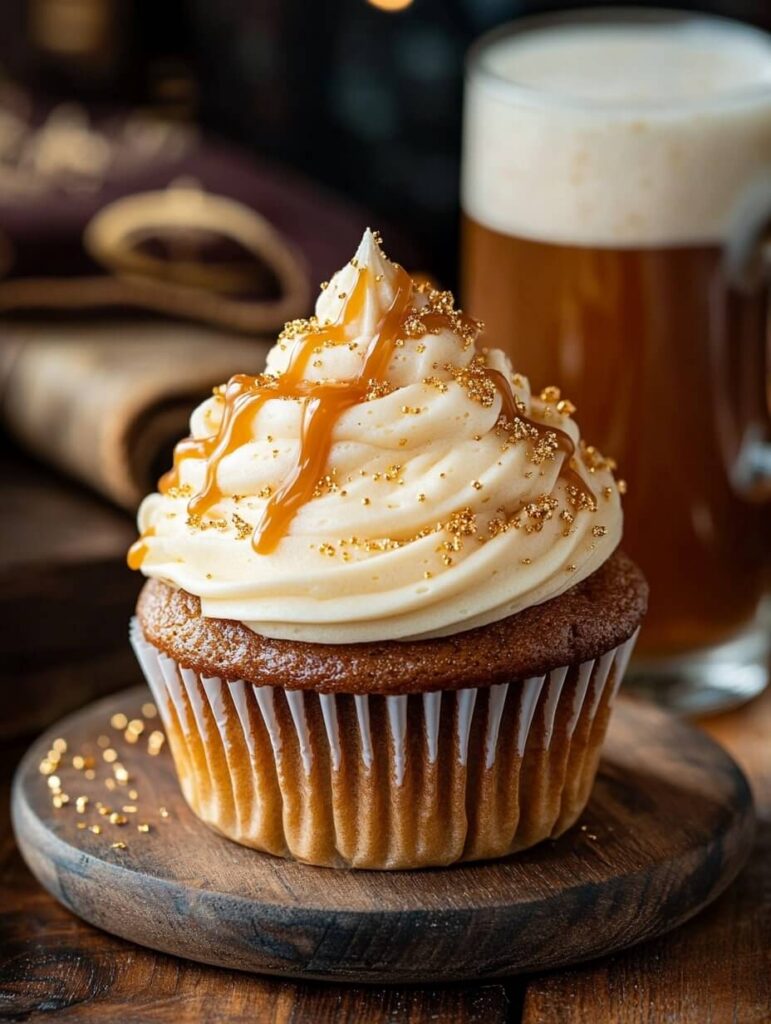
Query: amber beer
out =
(608, 162)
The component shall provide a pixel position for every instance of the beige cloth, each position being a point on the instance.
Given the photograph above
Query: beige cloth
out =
(105, 402)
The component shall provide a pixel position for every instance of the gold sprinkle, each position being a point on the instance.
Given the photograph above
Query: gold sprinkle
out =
(54, 782)
(594, 459)
(327, 484)
(474, 381)
(90, 774)
(184, 490)
(103, 741)
(149, 710)
(60, 746)
(526, 561)
(118, 846)
(163, 812)
(462, 523)
(46, 767)
(365, 501)
(599, 531)
(477, 485)
(427, 575)
(121, 774)
(78, 762)
(402, 442)
(111, 784)
(118, 819)
(621, 484)
(155, 741)
(133, 794)
(80, 804)
(110, 755)
(580, 500)
(96, 829)
(377, 389)
(550, 395)
(607, 492)
(565, 407)
(129, 808)
(119, 721)
(144, 827)
(421, 497)
(570, 568)
(82, 824)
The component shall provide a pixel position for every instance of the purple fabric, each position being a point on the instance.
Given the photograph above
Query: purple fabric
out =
(46, 229)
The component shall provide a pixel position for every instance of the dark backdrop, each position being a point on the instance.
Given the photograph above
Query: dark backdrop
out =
(364, 100)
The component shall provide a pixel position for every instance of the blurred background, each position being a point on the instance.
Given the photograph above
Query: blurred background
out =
(328, 88)
(175, 180)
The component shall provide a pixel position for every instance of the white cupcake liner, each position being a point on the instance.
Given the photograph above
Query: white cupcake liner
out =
(319, 742)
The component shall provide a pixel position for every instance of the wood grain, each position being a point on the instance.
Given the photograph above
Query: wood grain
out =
(716, 968)
(669, 826)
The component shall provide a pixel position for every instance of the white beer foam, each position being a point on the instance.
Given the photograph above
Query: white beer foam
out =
(618, 135)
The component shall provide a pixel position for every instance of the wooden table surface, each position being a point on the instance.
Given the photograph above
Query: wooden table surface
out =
(53, 967)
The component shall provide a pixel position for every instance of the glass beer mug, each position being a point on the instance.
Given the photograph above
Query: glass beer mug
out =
(616, 197)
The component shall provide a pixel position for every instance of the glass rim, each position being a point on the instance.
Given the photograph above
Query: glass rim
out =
(476, 70)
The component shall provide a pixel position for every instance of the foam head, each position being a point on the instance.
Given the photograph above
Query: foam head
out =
(618, 133)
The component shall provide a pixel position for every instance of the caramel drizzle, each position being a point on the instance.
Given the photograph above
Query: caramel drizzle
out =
(564, 441)
(324, 403)
(138, 550)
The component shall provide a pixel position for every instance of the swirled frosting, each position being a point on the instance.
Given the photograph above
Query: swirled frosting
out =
(384, 479)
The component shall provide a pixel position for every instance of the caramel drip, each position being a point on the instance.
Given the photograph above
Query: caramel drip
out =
(325, 402)
(511, 412)
(564, 440)
(138, 550)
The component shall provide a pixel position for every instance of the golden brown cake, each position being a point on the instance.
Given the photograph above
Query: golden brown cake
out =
(385, 618)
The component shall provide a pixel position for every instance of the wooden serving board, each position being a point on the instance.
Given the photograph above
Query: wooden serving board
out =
(669, 826)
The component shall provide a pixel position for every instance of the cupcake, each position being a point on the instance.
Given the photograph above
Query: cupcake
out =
(385, 617)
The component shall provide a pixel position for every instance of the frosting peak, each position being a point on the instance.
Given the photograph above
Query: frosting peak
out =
(378, 293)
(394, 481)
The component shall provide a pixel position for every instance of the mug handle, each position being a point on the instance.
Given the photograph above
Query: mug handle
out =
(747, 270)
